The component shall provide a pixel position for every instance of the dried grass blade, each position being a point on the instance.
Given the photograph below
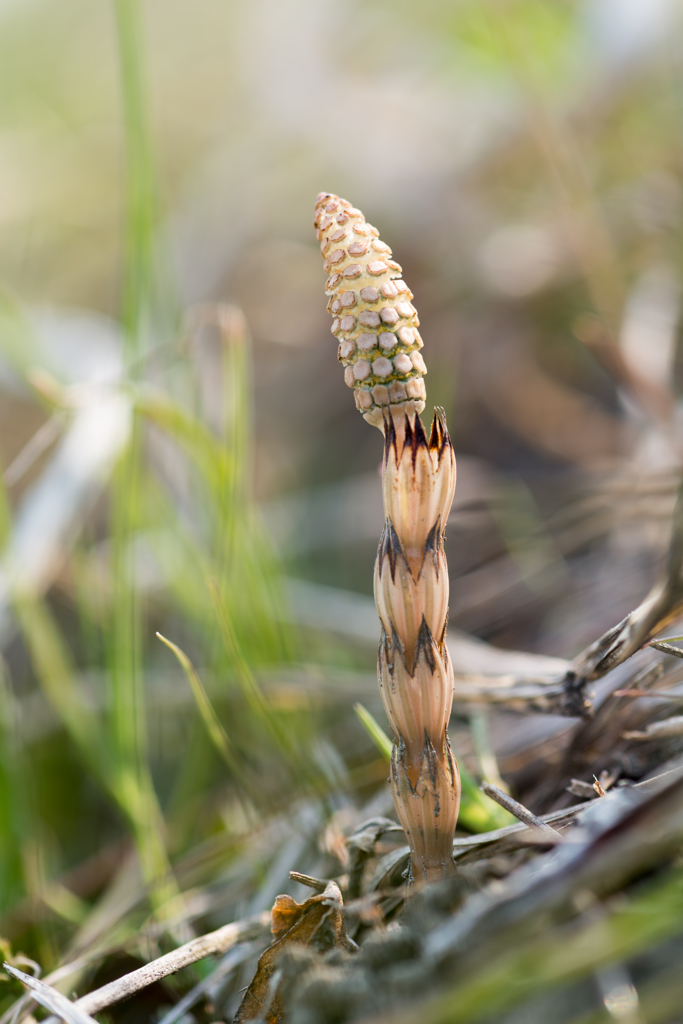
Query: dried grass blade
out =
(660, 607)
(220, 941)
(665, 648)
(667, 727)
(666, 694)
(232, 960)
(39, 442)
(519, 810)
(51, 999)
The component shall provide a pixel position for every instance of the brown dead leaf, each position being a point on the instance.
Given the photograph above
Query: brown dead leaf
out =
(318, 922)
(285, 913)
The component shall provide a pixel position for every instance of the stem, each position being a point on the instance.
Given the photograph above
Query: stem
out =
(133, 781)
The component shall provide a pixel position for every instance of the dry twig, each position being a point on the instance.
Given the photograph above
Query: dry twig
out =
(662, 606)
(50, 998)
(519, 810)
(197, 949)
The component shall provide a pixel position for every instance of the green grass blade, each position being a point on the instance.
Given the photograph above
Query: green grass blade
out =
(234, 546)
(235, 365)
(5, 515)
(16, 813)
(132, 790)
(132, 775)
(56, 677)
(478, 812)
(139, 275)
(245, 676)
(217, 733)
(374, 730)
(205, 451)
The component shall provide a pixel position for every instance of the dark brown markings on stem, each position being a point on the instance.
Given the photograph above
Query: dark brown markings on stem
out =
(390, 440)
(425, 643)
(385, 660)
(399, 761)
(443, 646)
(395, 645)
(383, 652)
(389, 647)
(432, 761)
(390, 547)
(415, 437)
(433, 546)
(436, 433)
(398, 753)
(381, 547)
(439, 437)
(385, 657)
(453, 764)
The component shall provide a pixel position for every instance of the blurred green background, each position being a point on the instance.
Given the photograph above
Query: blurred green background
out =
(180, 453)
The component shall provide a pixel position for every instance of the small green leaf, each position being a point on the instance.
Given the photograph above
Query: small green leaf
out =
(374, 730)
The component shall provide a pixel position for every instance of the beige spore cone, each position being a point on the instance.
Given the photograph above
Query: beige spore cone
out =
(379, 346)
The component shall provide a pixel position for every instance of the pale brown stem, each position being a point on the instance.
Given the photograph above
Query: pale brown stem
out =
(415, 674)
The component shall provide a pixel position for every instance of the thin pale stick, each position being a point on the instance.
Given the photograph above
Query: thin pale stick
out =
(661, 606)
(33, 449)
(232, 960)
(51, 999)
(519, 810)
(649, 693)
(309, 880)
(659, 645)
(219, 941)
(667, 727)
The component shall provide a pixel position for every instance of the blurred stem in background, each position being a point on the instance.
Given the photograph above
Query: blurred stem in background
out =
(139, 267)
(5, 515)
(584, 223)
(139, 302)
(235, 367)
(15, 798)
(245, 597)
